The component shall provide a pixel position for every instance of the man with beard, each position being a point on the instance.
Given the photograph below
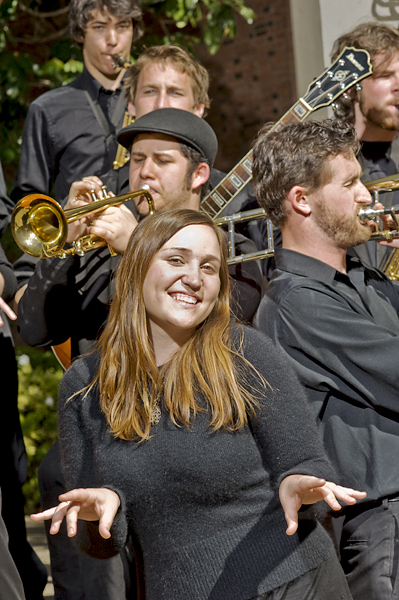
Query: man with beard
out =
(374, 112)
(337, 320)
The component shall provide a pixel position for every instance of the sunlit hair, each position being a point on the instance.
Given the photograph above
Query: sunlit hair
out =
(80, 13)
(379, 40)
(129, 381)
(297, 154)
(177, 58)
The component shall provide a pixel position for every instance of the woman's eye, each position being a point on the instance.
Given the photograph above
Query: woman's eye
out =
(175, 260)
(209, 268)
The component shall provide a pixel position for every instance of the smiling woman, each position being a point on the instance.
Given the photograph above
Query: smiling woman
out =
(181, 287)
(182, 431)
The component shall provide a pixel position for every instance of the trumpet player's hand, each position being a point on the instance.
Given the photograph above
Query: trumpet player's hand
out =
(7, 310)
(3, 304)
(115, 224)
(79, 195)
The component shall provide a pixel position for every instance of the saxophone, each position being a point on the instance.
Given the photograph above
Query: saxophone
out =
(122, 155)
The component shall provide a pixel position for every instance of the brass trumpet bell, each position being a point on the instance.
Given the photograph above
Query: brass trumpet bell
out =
(40, 226)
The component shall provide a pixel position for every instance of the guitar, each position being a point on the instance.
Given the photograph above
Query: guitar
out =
(63, 353)
(351, 66)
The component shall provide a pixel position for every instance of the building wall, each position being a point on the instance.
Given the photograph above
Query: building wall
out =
(252, 79)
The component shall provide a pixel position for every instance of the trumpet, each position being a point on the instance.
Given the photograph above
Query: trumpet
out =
(40, 226)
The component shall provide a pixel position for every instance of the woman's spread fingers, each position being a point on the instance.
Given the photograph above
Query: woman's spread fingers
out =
(45, 515)
(72, 519)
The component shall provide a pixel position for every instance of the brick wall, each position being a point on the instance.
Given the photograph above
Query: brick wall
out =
(252, 79)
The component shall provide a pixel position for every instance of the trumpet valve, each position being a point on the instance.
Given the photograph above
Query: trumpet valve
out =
(102, 194)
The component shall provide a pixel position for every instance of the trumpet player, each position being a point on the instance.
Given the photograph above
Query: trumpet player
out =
(337, 320)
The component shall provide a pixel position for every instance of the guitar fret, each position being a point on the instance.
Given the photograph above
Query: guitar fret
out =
(215, 202)
(297, 113)
(235, 180)
(208, 209)
(229, 188)
(247, 165)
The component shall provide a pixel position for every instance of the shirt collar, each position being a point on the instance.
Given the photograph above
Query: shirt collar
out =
(307, 266)
(90, 81)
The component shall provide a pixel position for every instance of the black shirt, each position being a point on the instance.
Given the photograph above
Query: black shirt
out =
(341, 333)
(63, 139)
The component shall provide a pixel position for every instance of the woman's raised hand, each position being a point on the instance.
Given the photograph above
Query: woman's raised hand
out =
(88, 504)
(296, 490)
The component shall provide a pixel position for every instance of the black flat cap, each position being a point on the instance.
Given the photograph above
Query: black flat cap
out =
(180, 124)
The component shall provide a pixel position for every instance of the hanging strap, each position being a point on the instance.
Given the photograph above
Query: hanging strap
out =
(104, 123)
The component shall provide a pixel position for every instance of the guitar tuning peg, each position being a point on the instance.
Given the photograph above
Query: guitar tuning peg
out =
(345, 96)
(334, 106)
(341, 62)
(358, 87)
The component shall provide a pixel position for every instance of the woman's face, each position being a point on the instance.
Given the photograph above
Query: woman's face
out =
(182, 282)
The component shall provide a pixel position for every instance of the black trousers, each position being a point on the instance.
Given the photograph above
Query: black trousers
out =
(326, 582)
(369, 549)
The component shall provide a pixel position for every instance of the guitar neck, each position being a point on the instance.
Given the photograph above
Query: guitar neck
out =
(237, 179)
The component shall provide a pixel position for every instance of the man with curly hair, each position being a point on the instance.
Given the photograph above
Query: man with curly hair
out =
(337, 320)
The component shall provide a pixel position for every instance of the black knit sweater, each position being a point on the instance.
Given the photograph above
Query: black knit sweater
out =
(203, 507)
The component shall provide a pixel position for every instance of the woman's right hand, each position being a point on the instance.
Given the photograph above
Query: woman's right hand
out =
(88, 504)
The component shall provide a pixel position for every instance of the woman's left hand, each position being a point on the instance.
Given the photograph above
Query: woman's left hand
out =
(296, 490)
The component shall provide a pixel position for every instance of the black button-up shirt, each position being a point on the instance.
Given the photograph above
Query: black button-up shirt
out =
(341, 333)
(63, 140)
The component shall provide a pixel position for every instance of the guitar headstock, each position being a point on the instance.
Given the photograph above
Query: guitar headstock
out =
(351, 66)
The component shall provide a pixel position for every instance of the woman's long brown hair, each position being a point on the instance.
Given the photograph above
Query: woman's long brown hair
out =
(129, 380)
